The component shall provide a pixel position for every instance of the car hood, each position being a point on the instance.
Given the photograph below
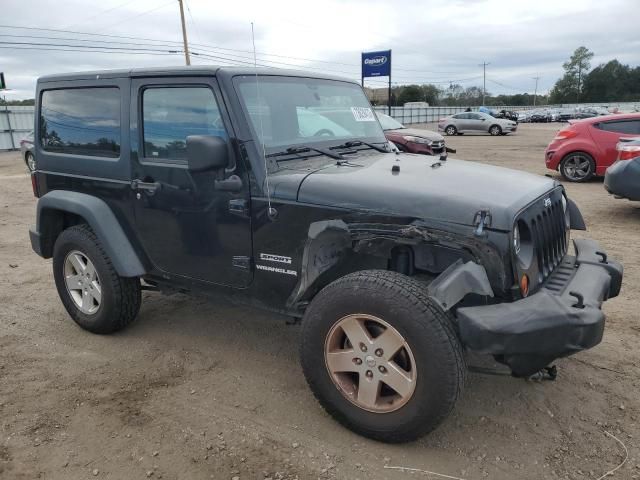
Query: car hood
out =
(417, 132)
(452, 192)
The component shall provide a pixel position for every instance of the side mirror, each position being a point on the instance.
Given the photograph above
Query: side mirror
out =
(206, 152)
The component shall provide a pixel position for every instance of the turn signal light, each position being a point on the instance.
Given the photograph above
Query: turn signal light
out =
(524, 285)
(565, 134)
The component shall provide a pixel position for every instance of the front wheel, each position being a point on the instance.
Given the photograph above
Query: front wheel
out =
(381, 357)
(495, 130)
(90, 289)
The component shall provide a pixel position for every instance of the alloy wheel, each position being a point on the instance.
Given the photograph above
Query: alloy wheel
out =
(577, 167)
(31, 162)
(82, 281)
(370, 363)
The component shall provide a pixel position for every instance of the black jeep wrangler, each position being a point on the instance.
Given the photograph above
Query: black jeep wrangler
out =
(279, 187)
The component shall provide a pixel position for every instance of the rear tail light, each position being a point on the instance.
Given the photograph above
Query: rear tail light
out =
(565, 134)
(34, 185)
(627, 152)
(440, 120)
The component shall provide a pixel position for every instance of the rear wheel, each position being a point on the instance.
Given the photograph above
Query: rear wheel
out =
(451, 130)
(577, 167)
(381, 357)
(495, 130)
(90, 289)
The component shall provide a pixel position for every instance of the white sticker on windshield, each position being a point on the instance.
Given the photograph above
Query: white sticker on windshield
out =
(363, 114)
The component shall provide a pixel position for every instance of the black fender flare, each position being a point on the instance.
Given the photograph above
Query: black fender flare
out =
(99, 217)
(575, 216)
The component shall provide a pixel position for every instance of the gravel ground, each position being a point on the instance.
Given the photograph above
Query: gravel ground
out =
(201, 388)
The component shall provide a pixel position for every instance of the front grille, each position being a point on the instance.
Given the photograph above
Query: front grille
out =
(549, 239)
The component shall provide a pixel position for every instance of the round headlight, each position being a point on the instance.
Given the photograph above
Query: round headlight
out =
(516, 239)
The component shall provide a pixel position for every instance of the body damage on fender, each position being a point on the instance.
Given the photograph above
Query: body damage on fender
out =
(415, 249)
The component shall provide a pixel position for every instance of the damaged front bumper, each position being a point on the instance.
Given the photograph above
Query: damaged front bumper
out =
(562, 318)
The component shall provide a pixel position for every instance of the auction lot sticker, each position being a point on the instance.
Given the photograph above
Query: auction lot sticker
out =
(363, 114)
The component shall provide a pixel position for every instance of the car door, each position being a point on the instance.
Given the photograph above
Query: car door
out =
(607, 134)
(460, 121)
(187, 226)
(476, 123)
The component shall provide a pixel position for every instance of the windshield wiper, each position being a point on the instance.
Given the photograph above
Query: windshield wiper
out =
(305, 149)
(357, 143)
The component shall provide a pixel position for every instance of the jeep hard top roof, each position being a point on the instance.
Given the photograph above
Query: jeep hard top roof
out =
(200, 70)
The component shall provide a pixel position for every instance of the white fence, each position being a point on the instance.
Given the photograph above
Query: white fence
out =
(409, 115)
(15, 124)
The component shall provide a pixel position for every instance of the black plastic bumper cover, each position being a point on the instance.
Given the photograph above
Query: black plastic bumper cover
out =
(623, 179)
(564, 317)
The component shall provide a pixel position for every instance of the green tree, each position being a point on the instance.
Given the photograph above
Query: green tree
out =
(570, 86)
(410, 93)
(610, 82)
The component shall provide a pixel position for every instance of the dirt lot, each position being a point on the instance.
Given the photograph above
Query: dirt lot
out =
(199, 389)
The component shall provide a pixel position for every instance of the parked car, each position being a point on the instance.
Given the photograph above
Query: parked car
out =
(588, 147)
(394, 264)
(476, 122)
(412, 140)
(622, 179)
(507, 114)
(28, 152)
(524, 116)
(540, 116)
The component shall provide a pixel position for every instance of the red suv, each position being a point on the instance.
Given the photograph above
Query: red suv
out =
(587, 147)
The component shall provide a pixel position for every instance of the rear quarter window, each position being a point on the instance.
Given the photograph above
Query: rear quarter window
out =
(81, 121)
(621, 126)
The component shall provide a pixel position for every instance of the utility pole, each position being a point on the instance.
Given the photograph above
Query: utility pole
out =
(535, 92)
(184, 35)
(484, 79)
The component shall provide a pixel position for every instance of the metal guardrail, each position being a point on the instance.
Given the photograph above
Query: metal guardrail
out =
(15, 123)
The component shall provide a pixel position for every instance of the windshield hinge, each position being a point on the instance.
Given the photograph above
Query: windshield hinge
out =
(481, 220)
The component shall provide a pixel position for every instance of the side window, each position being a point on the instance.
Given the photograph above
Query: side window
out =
(81, 121)
(461, 116)
(171, 114)
(474, 116)
(623, 126)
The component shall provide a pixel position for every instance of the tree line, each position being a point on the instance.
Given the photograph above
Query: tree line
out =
(608, 82)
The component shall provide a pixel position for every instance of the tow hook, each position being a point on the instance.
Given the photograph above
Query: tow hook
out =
(547, 373)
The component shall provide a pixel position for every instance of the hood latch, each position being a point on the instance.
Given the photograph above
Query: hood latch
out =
(481, 220)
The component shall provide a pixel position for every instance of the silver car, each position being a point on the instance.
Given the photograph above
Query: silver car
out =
(475, 122)
(28, 151)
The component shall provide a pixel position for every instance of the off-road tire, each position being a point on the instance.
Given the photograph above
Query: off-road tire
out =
(121, 297)
(429, 331)
(495, 130)
(450, 130)
(565, 171)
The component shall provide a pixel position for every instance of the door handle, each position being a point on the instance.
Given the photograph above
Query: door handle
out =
(149, 188)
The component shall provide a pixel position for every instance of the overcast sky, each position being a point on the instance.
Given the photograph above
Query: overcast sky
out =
(432, 41)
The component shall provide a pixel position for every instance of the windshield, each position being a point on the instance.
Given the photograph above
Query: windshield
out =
(389, 123)
(290, 111)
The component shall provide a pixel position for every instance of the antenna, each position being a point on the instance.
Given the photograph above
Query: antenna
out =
(272, 213)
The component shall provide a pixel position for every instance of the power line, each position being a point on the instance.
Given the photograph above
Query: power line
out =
(136, 16)
(213, 47)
